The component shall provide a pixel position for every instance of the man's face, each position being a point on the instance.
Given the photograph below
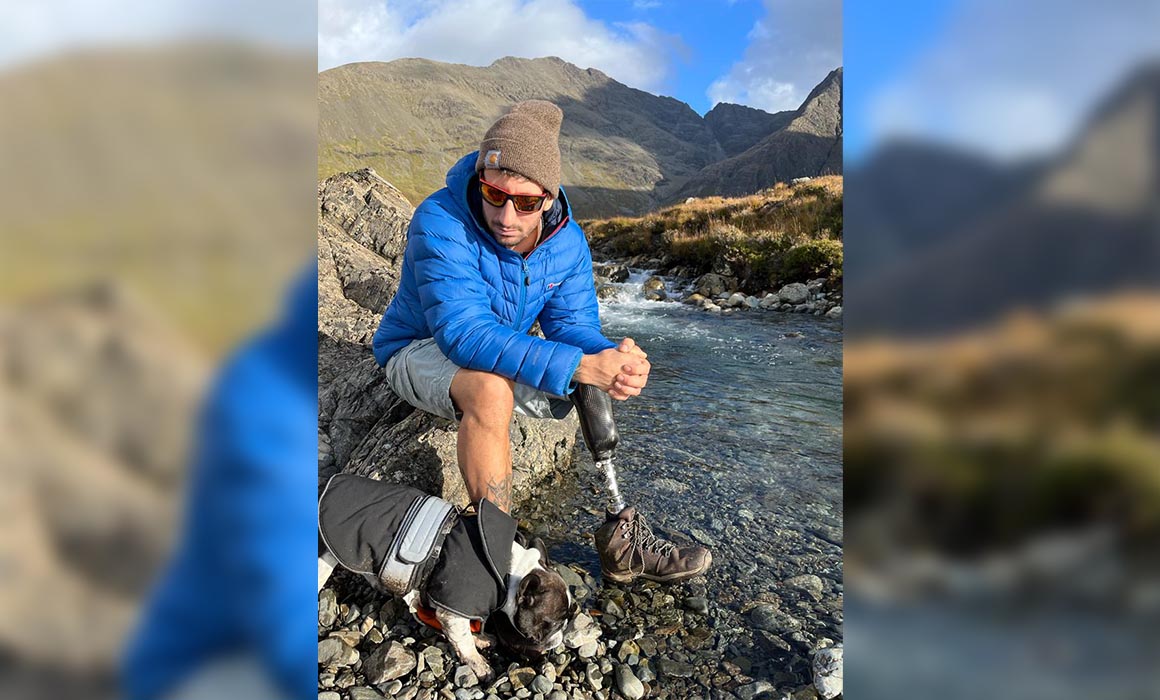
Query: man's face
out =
(511, 228)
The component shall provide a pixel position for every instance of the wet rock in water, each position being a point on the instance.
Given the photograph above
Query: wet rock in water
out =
(695, 298)
(628, 684)
(752, 690)
(361, 693)
(654, 289)
(335, 652)
(606, 291)
(327, 608)
(613, 272)
(807, 583)
(734, 301)
(835, 312)
(389, 662)
(674, 669)
(793, 293)
(827, 670)
(769, 618)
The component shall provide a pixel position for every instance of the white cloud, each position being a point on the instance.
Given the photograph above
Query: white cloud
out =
(477, 32)
(32, 29)
(1015, 79)
(791, 49)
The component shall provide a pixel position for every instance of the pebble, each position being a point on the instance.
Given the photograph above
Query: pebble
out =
(389, 662)
(329, 695)
(465, 677)
(327, 608)
(674, 669)
(335, 652)
(361, 693)
(628, 684)
(540, 684)
(697, 604)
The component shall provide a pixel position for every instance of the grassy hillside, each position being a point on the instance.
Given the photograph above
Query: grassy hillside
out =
(790, 233)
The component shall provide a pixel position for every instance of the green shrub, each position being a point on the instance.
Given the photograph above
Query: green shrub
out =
(812, 259)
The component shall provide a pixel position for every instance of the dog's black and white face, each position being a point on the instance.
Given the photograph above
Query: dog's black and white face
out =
(538, 609)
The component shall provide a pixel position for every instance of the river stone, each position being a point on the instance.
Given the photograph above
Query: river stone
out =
(695, 298)
(807, 583)
(767, 617)
(835, 312)
(388, 662)
(674, 669)
(734, 301)
(613, 272)
(329, 695)
(752, 690)
(542, 685)
(432, 658)
(628, 684)
(361, 693)
(653, 284)
(711, 285)
(521, 677)
(793, 293)
(335, 652)
(464, 677)
(327, 608)
(606, 291)
(827, 669)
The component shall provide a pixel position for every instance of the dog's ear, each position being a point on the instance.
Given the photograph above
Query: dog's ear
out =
(529, 589)
(539, 546)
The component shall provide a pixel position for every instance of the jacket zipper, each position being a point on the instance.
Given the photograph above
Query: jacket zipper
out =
(523, 292)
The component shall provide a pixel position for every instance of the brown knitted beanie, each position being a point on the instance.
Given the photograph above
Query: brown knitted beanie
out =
(526, 140)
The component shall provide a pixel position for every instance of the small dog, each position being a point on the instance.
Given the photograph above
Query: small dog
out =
(453, 568)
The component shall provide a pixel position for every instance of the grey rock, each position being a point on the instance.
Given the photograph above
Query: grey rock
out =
(769, 618)
(793, 293)
(606, 291)
(628, 684)
(698, 604)
(465, 677)
(388, 662)
(361, 693)
(540, 684)
(587, 650)
(734, 301)
(329, 695)
(335, 652)
(712, 285)
(807, 583)
(433, 659)
(752, 690)
(593, 676)
(674, 669)
(327, 608)
(835, 312)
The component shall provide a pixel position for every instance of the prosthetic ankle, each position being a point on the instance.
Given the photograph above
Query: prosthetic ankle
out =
(594, 408)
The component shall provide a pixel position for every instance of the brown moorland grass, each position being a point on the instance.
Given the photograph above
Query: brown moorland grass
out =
(788, 233)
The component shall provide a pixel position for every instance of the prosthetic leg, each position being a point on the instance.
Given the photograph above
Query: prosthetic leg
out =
(627, 547)
(594, 408)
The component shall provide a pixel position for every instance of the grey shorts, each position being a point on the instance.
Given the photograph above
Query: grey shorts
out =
(421, 375)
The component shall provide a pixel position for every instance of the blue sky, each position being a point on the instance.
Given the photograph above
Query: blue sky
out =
(765, 53)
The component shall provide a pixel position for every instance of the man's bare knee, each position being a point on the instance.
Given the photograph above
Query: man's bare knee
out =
(483, 396)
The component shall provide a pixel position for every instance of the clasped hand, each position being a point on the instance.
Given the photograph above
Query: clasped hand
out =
(621, 371)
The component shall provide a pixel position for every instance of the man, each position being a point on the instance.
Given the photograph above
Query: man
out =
(487, 256)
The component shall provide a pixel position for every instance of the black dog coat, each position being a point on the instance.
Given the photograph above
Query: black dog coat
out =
(466, 566)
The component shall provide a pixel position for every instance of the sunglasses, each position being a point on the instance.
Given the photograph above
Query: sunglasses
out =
(497, 197)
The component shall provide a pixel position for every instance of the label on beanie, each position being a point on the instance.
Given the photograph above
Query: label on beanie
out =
(491, 160)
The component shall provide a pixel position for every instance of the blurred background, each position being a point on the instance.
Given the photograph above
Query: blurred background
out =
(157, 195)
(1002, 359)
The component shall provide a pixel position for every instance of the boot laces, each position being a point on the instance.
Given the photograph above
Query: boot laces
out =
(643, 538)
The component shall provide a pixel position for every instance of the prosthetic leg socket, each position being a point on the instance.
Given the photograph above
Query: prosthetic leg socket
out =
(594, 407)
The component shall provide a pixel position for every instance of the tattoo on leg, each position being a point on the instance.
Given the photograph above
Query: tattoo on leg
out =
(500, 493)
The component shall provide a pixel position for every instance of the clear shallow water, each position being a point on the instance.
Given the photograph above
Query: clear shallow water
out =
(735, 444)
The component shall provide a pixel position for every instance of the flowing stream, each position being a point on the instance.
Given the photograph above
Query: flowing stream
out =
(735, 444)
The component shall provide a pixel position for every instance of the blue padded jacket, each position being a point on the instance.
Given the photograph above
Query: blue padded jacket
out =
(479, 299)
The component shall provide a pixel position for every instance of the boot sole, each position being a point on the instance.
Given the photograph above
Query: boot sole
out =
(671, 578)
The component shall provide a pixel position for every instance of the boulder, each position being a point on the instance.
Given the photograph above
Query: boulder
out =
(827, 671)
(613, 272)
(735, 301)
(835, 312)
(654, 289)
(606, 291)
(793, 293)
(711, 285)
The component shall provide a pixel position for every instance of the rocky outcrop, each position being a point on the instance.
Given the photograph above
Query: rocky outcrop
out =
(102, 391)
(363, 427)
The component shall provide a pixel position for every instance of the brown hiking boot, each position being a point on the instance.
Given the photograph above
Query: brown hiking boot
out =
(628, 549)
